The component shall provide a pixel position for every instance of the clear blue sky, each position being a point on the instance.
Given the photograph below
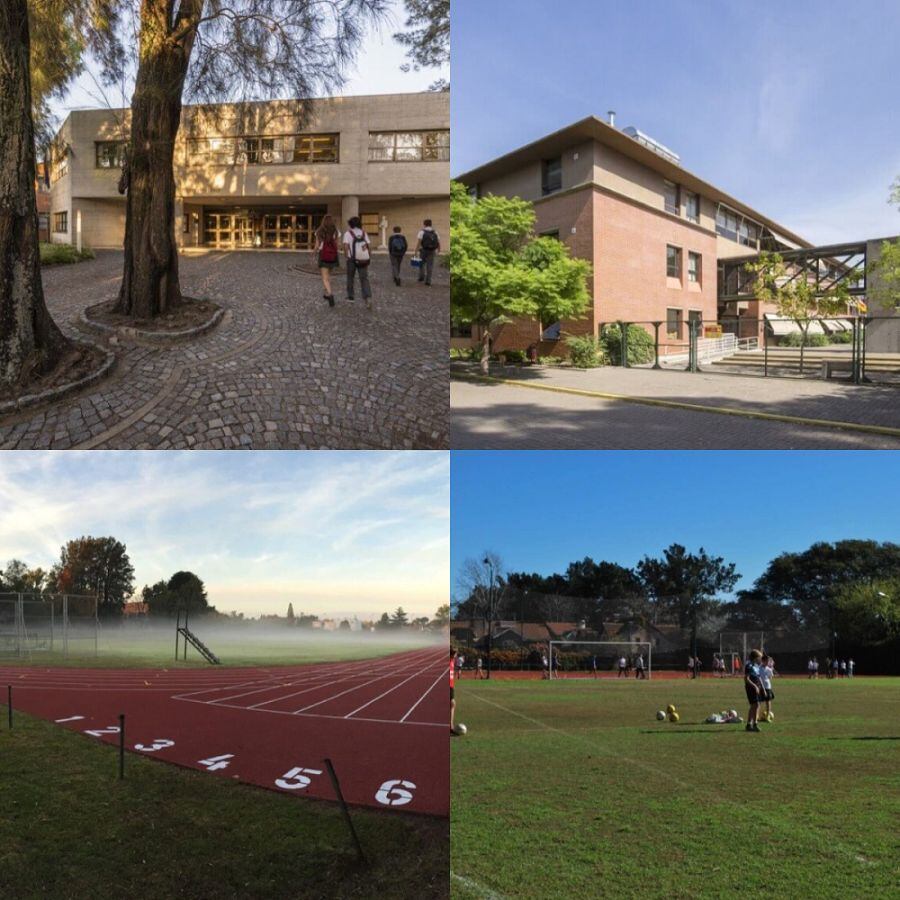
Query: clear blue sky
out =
(540, 510)
(791, 107)
(335, 533)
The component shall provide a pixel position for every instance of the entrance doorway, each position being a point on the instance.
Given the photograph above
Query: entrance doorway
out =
(290, 229)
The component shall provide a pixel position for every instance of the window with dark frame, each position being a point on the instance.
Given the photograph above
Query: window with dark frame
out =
(673, 261)
(692, 207)
(370, 223)
(283, 149)
(551, 175)
(694, 267)
(671, 192)
(61, 222)
(674, 321)
(109, 154)
(409, 146)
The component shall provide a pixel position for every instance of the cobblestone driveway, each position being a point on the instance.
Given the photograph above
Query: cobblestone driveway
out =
(282, 370)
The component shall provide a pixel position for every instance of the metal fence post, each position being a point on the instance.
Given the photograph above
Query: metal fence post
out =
(121, 746)
(623, 327)
(340, 795)
(765, 349)
(9, 704)
(656, 326)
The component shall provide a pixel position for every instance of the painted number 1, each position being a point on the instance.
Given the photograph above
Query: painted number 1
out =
(297, 779)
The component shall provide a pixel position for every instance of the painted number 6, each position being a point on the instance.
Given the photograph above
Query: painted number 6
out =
(296, 779)
(158, 744)
(395, 793)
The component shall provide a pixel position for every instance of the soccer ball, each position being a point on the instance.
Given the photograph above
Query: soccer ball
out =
(674, 717)
(461, 729)
(770, 717)
(670, 708)
(660, 715)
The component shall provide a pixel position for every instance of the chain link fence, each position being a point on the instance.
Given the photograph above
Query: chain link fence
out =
(48, 624)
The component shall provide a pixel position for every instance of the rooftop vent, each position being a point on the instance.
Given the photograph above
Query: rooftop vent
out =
(612, 117)
(652, 144)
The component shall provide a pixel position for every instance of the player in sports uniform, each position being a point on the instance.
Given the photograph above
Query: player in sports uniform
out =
(622, 664)
(766, 673)
(753, 687)
(452, 698)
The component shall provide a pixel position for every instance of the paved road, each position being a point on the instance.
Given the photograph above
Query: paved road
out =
(281, 371)
(499, 417)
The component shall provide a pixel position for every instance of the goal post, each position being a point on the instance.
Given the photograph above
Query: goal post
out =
(589, 659)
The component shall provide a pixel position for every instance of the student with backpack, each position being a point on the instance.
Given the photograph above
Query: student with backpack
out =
(358, 252)
(397, 248)
(426, 249)
(327, 254)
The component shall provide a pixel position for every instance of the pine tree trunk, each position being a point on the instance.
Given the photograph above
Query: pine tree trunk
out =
(150, 277)
(30, 341)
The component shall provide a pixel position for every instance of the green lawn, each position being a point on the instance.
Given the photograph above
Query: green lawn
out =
(573, 789)
(236, 648)
(70, 829)
(56, 254)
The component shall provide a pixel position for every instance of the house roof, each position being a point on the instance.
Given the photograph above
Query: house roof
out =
(595, 129)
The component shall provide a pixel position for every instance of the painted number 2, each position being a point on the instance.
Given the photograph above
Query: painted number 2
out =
(99, 732)
(297, 779)
(395, 793)
(158, 744)
(214, 763)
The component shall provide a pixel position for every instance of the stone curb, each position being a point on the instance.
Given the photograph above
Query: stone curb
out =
(156, 337)
(20, 403)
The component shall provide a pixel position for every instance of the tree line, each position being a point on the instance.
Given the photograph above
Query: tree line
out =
(849, 586)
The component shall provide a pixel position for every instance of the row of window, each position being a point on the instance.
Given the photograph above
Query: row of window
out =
(388, 146)
(734, 227)
(673, 197)
(674, 262)
(675, 322)
(61, 222)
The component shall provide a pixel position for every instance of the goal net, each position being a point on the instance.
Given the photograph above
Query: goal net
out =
(599, 659)
(737, 645)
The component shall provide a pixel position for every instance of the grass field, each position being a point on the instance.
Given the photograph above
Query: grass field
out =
(573, 789)
(70, 829)
(117, 649)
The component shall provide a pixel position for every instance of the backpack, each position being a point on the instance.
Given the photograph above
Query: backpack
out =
(397, 245)
(429, 240)
(359, 249)
(328, 251)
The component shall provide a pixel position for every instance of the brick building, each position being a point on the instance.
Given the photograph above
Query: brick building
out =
(654, 232)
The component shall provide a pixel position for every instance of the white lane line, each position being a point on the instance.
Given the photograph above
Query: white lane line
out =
(389, 691)
(473, 887)
(437, 681)
(70, 719)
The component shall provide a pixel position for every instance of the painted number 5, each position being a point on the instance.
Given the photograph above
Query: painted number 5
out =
(296, 779)
(158, 744)
(395, 793)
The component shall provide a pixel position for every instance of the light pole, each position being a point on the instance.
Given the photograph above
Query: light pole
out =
(490, 640)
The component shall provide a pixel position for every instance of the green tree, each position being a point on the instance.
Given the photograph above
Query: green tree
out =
(344, 626)
(159, 599)
(868, 612)
(384, 622)
(188, 592)
(399, 618)
(883, 284)
(795, 294)
(442, 616)
(96, 566)
(499, 269)
(290, 614)
(13, 579)
(684, 585)
(427, 38)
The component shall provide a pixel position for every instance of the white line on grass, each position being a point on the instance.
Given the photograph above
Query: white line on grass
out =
(475, 888)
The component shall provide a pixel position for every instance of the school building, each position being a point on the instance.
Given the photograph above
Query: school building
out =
(262, 175)
(656, 235)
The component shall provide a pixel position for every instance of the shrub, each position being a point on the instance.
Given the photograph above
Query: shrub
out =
(841, 337)
(795, 339)
(640, 345)
(471, 353)
(513, 356)
(584, 351)
(56, 254)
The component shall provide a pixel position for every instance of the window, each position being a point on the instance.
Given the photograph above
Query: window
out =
(670, 192)
(264, 150)
(109, 154)
(60, 168)
(673, 261)
(409, 146)
(61, 222)
(461, 330)
(674, 322)
(695, 319)
(43, 222)
(186, 220)
(726, 223)
(551, 175)
(691, 207)
(748, 234)
(370, 224)
(694, 264)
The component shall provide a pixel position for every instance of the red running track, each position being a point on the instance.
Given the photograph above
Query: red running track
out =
(384, 723)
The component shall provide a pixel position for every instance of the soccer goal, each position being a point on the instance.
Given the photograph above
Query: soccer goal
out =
(599, 659)
(738, 644)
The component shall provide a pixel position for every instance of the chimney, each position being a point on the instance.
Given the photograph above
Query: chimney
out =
(612, 117)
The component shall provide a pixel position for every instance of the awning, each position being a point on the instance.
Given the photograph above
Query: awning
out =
(780, 326)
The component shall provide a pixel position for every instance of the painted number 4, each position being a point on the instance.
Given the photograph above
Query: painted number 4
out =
(214, 763)
(297, 779)
(395, 793)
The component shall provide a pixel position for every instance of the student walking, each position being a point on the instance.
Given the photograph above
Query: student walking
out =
(639, 667)
(397, 248)
(358, 252)
(327, 254)
(427, 246)
(767, 695)
(479, 671)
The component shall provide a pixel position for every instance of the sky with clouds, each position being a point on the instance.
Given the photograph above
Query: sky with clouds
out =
(376, 70)
(790, 107)
(335, 533)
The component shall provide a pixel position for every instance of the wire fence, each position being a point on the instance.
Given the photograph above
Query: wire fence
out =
(60, 623)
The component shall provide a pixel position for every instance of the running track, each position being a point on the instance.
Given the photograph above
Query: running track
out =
(384, 723)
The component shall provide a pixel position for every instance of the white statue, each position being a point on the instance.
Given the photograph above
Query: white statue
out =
(383, 225)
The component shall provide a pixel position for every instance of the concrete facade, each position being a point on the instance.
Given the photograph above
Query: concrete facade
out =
(245, 174)
(610, 207)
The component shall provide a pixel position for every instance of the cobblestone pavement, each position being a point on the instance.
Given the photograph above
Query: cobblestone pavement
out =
(282, 370)
(503, 417)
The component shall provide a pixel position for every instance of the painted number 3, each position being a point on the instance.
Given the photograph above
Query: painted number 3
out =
(296, 779)
(395, 793)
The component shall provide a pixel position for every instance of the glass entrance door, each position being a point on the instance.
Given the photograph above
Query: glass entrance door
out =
(275, 228)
